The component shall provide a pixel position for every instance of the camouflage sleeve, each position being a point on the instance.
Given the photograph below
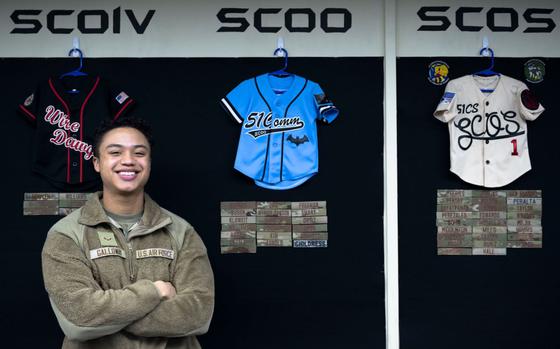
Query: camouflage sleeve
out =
(190, 311)
(84, 310)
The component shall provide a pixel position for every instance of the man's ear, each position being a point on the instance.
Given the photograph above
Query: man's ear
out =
(96, 164)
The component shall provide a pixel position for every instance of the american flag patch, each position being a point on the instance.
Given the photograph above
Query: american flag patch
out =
(121, 97)
(447, 98)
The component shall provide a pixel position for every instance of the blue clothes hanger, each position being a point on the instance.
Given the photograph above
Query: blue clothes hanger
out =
(75, 72)
(488, 71)
(282, 72)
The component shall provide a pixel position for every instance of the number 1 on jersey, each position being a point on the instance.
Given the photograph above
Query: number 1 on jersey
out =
(514, 153)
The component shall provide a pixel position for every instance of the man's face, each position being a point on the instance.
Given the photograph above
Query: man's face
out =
(124, 161)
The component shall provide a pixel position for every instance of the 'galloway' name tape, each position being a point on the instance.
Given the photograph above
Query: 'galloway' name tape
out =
(107, 251)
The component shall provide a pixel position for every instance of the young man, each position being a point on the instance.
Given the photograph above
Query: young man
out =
(122, 272)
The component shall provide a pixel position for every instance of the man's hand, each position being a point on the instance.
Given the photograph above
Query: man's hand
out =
(165, 289)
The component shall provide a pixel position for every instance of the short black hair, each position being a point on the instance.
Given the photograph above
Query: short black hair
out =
(108, 125)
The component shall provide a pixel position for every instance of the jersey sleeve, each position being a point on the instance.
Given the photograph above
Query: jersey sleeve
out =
(29, 107)
(120, 102)
(236, 102)
(529, 104)
(447, 107)
(327, 111)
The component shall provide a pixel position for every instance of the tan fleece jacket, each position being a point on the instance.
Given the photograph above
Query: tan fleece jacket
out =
(101, 284)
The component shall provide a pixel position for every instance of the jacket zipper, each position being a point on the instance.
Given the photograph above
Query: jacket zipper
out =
(130, 254)
(130, 263)
(131, 257)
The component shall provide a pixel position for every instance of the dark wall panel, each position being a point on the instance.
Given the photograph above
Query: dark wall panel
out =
(472, 301)
(278, 298)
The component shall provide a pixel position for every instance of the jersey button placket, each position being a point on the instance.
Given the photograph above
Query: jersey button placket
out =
(74, 155)
(483, 145)
(275, 155)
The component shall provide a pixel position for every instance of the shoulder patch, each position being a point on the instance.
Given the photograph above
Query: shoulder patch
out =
(121, 97)
(529, 100)
(447, 98)
(322, 99)
(29, 100)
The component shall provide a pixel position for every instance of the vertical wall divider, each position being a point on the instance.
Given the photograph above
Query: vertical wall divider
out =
(390, 194)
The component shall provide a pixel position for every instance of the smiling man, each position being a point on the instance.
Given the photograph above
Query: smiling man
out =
(122, 272)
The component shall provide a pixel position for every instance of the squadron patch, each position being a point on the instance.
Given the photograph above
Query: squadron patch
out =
(438, 72)
(534, 70)
(529, 100)
(29, 100)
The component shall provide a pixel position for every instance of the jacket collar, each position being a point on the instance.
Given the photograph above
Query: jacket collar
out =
(153, 218)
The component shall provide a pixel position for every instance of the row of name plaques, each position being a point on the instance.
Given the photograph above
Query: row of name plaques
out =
(488, 222)
(247, 225)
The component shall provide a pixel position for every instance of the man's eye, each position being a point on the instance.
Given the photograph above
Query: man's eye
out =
(114, 153)
(140, 154)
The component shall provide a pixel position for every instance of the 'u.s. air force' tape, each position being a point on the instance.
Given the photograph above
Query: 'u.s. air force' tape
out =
(107, 251)
(155, 252)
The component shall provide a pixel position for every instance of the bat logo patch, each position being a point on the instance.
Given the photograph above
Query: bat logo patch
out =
(298, 140)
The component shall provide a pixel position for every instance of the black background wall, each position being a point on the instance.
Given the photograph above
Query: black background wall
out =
(472, 301)
(277, 298)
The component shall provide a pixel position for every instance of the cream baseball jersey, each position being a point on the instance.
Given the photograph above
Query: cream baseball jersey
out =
(278, 145)
(65, 113)
(487, 119)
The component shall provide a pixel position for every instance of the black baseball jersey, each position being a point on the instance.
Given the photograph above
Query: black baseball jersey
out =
(65, 113)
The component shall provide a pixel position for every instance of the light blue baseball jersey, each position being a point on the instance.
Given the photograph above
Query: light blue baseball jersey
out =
(278, 145)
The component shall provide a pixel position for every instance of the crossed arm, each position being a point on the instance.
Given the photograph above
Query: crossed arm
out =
(144, 308)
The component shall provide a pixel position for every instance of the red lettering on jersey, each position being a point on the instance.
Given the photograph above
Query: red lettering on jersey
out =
(57, 117)
(53, 115)
(61, 138)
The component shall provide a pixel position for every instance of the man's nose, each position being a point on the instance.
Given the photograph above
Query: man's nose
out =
(127, 158)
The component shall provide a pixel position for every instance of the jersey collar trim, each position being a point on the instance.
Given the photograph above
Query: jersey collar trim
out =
(263, 82)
